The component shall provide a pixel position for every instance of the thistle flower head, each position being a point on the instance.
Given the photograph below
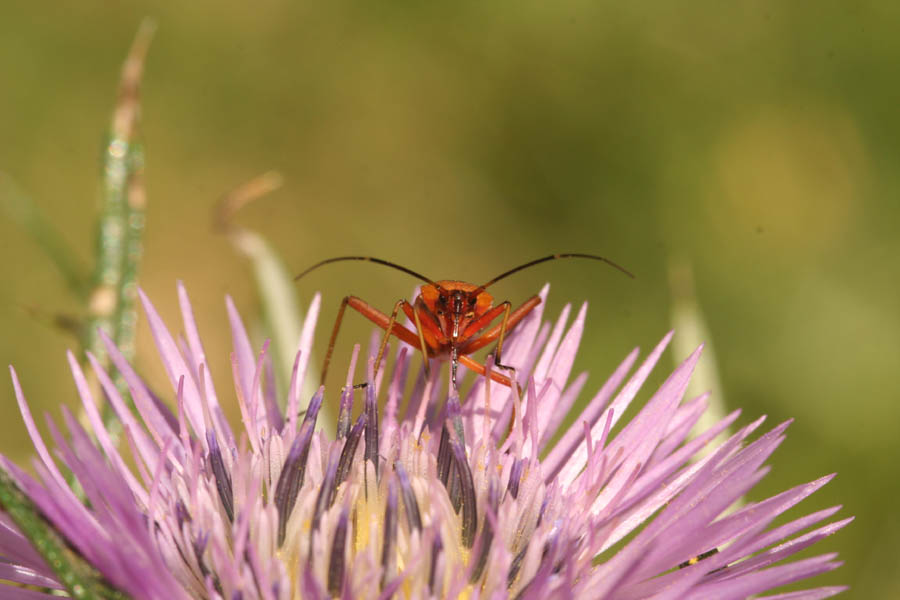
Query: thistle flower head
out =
(427, 495)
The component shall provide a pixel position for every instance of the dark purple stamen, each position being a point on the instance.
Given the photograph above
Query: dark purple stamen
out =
(388, 549)
(338, 546)
(371, 450)
(467, 490)
(436, 548)
(326, 493)
(199, 544)
(349, 451)
(181, 514)
(291, 478)
(444, 456)
(223, 479)
(346, 407)
(515, 476)
(312, 409)
(515, 566)
(454, 487)
(413, 517)
(449, 472)
(543, 508)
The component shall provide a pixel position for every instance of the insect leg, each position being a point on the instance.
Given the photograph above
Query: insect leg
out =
(476, 366)
(333, 339)
(503, 329)
(387, 333)
(390, 326)
(422, 343)
(494, 332)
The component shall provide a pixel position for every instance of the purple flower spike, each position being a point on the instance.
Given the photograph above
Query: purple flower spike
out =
(371, 449)
(348, 453)
(291, 479)
(336, 564)
(223, 479)
(446, 498)
(413, 516)
(389, 544)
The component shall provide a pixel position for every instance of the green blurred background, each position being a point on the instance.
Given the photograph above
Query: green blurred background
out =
(756, 142)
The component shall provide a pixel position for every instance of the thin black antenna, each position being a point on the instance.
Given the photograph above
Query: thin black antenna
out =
(554, 257)
(369, 259)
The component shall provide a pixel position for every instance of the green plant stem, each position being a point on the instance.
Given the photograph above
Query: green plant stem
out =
(112, 305)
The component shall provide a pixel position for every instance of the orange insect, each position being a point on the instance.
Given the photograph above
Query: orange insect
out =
(452, 318)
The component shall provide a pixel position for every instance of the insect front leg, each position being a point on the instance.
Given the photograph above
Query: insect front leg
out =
(389, 329)
(422, 345)
(387, 334)
(506, 325)
(503, 329)
(479, 368)
(389, 324)
(333, 339)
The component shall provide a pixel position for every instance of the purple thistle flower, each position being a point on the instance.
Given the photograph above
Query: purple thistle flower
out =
(463, 497)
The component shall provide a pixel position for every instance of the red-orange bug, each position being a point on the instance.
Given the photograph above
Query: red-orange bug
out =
(452, 318)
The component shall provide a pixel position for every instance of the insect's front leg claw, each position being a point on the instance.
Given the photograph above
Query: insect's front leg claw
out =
(500, 365)
(505, 367)
(513, 376)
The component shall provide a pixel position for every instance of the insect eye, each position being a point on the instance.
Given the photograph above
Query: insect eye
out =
(442, 300)
(471, 301)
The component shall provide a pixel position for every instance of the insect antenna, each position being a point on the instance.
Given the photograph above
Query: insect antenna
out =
(369, 259)
(554, 257)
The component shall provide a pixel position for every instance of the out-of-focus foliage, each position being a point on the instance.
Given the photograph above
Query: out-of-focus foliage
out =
(756, 141)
